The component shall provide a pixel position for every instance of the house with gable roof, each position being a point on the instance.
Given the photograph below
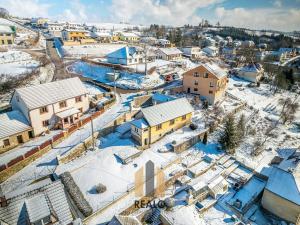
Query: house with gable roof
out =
(56, 104)
(208, 80)
(126, 56)
(282, 192)
(154, 122)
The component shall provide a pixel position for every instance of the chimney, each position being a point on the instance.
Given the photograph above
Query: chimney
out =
(3, 201)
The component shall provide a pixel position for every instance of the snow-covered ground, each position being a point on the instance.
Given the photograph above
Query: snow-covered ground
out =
(14, 63)
(97, 50)
(93, 89)
(127, 80)
(264, 107)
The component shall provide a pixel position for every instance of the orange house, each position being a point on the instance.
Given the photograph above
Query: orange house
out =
(207, 80)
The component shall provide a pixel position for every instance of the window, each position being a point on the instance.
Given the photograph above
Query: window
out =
(158, 127)
(183, 117)
(196, 74)
(136, 130)
(195, 89)
(43, 110)
(172, 122)
(62, 104)
(205, 75)
(45, 123)
(81, 110)
(9, 42)
(6, 142)
(78, 99)
(210, 92)
(196, 82)
(211, 84)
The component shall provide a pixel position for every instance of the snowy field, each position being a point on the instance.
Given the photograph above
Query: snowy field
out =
(262, 112)
(105, 168)
(126, 80)
(97, 50)
(14, 63)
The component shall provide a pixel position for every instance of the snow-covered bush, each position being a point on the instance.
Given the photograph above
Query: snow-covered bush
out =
(100, 188)
(75, 193)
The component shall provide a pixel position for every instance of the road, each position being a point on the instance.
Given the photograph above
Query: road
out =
(60, 72)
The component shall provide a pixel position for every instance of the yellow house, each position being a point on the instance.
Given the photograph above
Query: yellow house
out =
(7, 35)
(208, 81)
(129, 37)
(156, 121)
(74, 35)
(282, 192)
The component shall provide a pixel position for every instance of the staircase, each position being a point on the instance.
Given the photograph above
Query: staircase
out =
(155, 217)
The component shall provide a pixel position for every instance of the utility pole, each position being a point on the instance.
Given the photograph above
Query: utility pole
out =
(145, 51)
(93, 140)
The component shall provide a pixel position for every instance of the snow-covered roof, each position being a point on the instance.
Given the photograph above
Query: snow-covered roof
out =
(50, 93)
(140, 123)
(251, 68)
(284, 179)
(123, 53)
(68, 112)
(161, 97)
(102, 34)
(129, 34)
(12, 123)
(215, 69)
(54, 192)
(5, 29)
(163, 112)
(170, 51)
(37, 208)
(212, 48)
(76, 30)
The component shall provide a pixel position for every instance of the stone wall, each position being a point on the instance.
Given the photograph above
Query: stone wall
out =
(180, 147)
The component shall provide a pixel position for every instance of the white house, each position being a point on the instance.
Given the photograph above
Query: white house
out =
(163, 42)
(169, 53)
(56, 104)
(192, 52)
(55, 28)
(252, 72)
(211, 51)
(126, 56)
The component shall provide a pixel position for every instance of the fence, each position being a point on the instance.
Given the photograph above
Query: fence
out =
(178, 148)
(20, 161)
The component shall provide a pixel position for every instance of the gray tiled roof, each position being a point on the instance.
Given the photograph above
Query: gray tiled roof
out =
(12, 123)
(16, 211)
(53, 92)
(163, 112)
(37, 208)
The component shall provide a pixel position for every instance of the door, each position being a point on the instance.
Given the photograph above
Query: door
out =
(30, 134)
(20, 139)
(188, 90)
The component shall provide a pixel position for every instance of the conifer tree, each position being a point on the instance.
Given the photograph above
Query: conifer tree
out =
(205, 138)
(229, 138)
(241, 127)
